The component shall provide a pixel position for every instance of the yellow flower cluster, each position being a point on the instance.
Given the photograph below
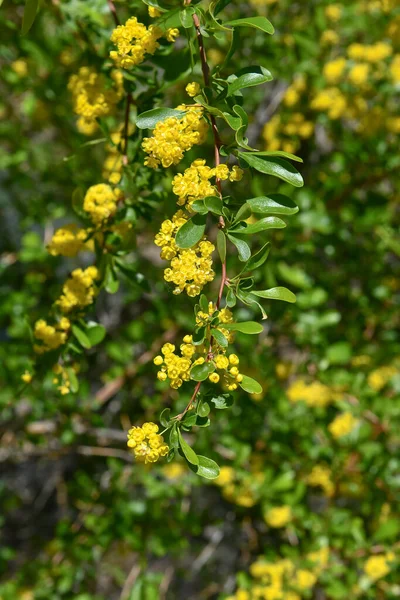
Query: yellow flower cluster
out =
(69, 240)
(61, 378)
(112, 166)
(282, 579)
(314, 394)
(192, 89)
(320, 476)
(342, 425)
(147, 445)
(51, 337)
(378, 566)
(191, 268)
(373, 53)
(333, 12)
(92, 98)
(100, 202)
(194, 183)
(279, 516)
(78, 290)
(296, 128)
(330, 100)
(294, 91)
(378, 378)
(134, 40)
(174, 136)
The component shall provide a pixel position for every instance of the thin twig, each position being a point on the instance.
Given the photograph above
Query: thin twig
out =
(126, 129)
(113, 11)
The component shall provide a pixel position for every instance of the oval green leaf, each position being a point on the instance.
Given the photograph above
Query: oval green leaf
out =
(277, 167)
(191, 232)
(256, 22)
(188, 452)
(250, 327)
(242, 247)
(276, 293)
(219, 338)
(28, 19)
(262, 225)
(201, 372)
(250, 385)
(273, 204)
(248, 77)
(150, 118)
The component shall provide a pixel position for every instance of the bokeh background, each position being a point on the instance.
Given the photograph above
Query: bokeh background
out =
(307, 503)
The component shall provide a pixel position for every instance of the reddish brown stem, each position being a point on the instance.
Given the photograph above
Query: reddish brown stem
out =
(217, 144)
(113, 11)
(129, 100)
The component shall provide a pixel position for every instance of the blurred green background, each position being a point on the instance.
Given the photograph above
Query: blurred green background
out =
(307, 503)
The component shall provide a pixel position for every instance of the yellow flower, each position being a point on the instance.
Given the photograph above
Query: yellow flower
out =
(51, 337)
(376, 567)
(101, 202)
(305, 579)
(154, 12)
(358, 74)
(313, 394)
(342, 425)
(174, 136)
(133, 41)
(192, 89)
(329, 37)
(279, 516)
(173, 470)
(171, 34)
(320, 476)
(69, 240)
(78, 290)
(26, 377)
(395, 69)
(147, 445)
(93, 98)
(333, 70)
(333, 12)
(378, 378)
(226, 476)
(20, 67)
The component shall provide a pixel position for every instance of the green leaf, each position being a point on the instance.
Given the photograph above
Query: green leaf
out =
(73, 380)
(222, 401)
(256, 22)
(221, 245)
(250, 385)
(95, 332)
(186, 17)
(206, 468)
(258, 258)
(243, 213)
(388, 530)
(273, 204)
(199, 207)
(191, 232)
(248, 77)
(165, 417)
(189, 453)
(203, 303)
(201, 372)
(214, 204)
(81, 336)
(174, 437)
(219, 5)
(219, 338)
(230, 298)
(277, 167)
(262, 225)
(242, 247)
(111, 282)
(150, 118)
(276, 293)
(250, 327)
(203, 409)
(28, 19)
(279, 154)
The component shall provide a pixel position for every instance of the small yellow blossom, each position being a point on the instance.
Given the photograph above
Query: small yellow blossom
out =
(78, 290)
(100, 202)
(334, 69)
(26, 377)
(192, 89)
(333, 12)
(279, 516)
(154, 12)
(320, 476)
(377, 567)
(147, 445)
(342, 425)
(69, 240)
(358, 75)
(20, 67)
(133, 41)
(378, 378)
(51, 337)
